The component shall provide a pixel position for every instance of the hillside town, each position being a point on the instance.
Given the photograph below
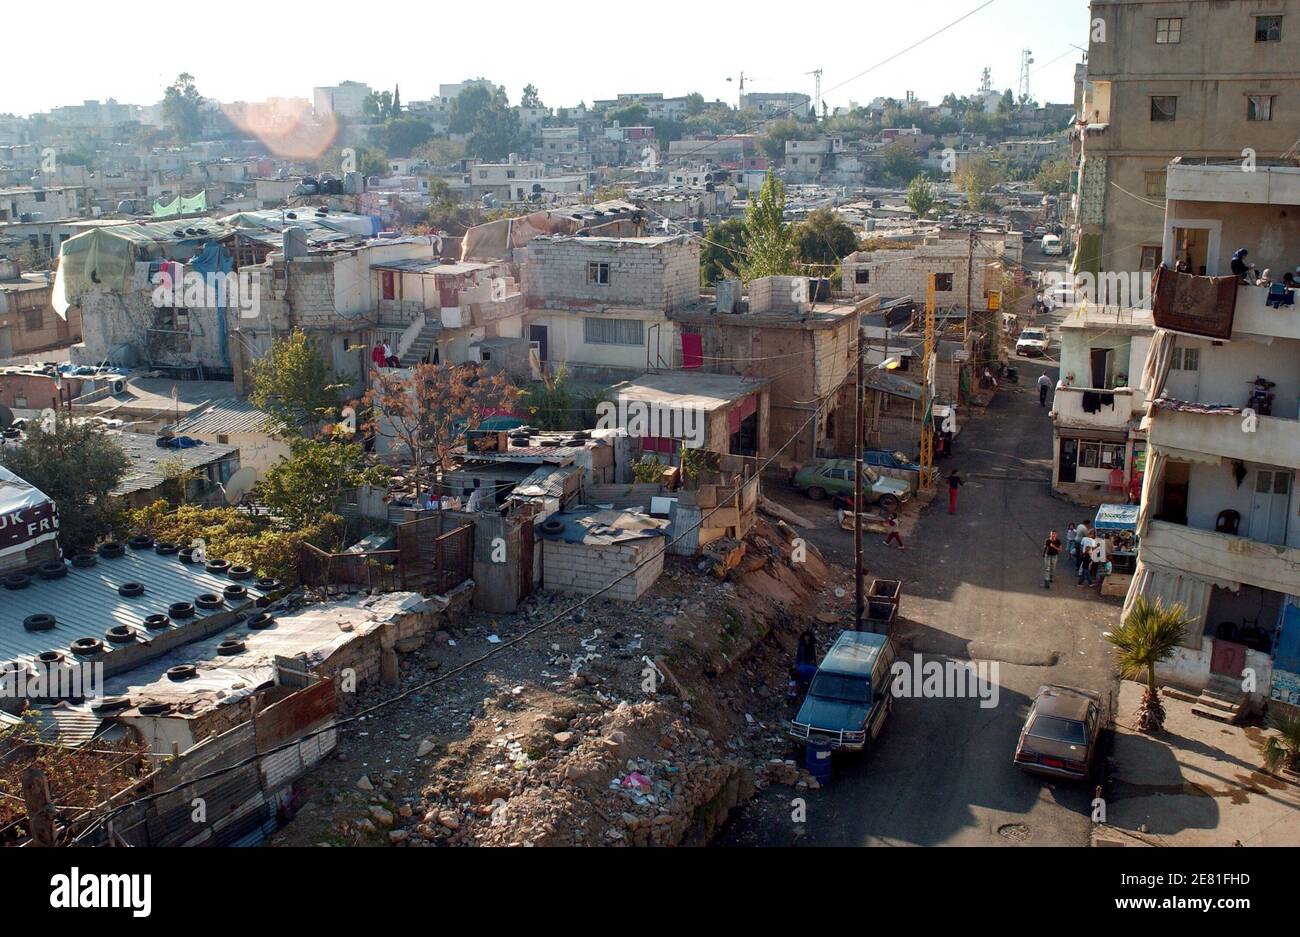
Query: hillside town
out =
(412, 467)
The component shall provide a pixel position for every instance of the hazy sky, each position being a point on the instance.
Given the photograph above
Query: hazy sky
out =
(571, 50)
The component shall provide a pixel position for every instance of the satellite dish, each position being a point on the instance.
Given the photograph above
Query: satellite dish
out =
(240, 484)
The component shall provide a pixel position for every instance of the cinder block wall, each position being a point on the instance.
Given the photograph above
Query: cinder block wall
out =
(583, 568)
(663, 275)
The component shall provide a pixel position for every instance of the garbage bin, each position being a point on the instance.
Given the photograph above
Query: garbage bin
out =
(817, 759)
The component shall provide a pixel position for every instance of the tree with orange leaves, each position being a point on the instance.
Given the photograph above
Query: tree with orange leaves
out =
(427, 410)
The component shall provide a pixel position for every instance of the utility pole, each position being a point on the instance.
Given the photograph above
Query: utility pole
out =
(970, 270)
(927, 399)
(40, 815)
(859, 606)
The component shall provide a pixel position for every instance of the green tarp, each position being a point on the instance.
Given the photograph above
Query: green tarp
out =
(181, 206)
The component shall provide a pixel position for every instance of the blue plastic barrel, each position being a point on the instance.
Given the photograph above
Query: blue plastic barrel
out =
(817, 759)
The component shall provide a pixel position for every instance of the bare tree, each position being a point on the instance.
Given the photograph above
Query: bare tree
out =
(427, 411)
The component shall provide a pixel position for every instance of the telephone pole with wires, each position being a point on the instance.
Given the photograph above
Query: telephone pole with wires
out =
(927, 398)
(859, 605)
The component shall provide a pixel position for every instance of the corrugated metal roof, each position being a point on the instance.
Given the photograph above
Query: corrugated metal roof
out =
(147, 459)
(85, 603)
(230, 415)
(315, 632)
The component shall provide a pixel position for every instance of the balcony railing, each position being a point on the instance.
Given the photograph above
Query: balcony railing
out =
(1068, 406)
(1229, 434)
(1255, 317)
(1220, 557)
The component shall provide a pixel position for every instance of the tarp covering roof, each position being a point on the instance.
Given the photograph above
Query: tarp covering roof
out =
(27, 515)
(181, 205)
(604, 527)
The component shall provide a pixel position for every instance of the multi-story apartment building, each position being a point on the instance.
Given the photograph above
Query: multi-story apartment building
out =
(1196, 78)
(1098, 445)
(1220, 522)
(602, 305)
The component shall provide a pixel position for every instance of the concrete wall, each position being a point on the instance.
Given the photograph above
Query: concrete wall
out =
(1227, 370)
(21, 309)
(585, 568)
(905, 272)
(1269, 232)
(1211, 70)
(660, 274)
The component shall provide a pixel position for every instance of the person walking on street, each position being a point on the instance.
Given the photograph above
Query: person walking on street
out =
(894, 535)
(1087, 547)
(954, 482)
(1051, 550)
(1071, 543)
(1044, 385)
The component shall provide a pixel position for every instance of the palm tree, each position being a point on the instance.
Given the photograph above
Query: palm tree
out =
(1282, 750)
(1148, 635)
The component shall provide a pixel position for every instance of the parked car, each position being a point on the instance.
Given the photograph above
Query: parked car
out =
(1032, 342)
(849, 697)
(1052, 245)
(1061, 732)
(883, 458)
(1039, 231)
(835, 476)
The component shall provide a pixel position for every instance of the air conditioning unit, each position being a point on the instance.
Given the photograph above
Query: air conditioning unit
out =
(118, 386)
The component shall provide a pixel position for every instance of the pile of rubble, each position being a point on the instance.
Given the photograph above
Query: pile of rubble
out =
(641, 724)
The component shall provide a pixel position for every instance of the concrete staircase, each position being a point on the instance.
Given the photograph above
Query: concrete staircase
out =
(423, 343)
(1222, 700)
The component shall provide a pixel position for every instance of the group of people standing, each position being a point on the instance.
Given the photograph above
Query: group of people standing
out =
(1083, 548)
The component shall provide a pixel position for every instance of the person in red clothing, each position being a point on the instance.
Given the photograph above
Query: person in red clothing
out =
(954, 482)
(377, 354)
(894, 536)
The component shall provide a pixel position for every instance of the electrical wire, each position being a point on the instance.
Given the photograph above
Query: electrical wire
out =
(447, 675)
(786, 112)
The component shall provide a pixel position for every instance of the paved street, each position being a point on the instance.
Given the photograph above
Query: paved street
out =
(942, 773)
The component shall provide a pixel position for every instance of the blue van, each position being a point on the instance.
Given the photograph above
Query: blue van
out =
(849, 697)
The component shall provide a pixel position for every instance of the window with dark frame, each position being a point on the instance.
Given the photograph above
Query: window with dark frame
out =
(943, 282)
(1164, 107)
(1155, 184)
(1259, 106)
(1169, 30)
(598, 330)
(598, 273)
(862, 276)
(1268, 29)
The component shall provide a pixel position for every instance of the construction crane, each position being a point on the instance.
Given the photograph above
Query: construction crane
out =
(817, 92)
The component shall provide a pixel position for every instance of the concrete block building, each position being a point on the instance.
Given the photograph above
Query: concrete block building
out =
(601, 306)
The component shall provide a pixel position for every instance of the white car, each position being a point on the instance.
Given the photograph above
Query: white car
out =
(1032, 342)
(1052, 245)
